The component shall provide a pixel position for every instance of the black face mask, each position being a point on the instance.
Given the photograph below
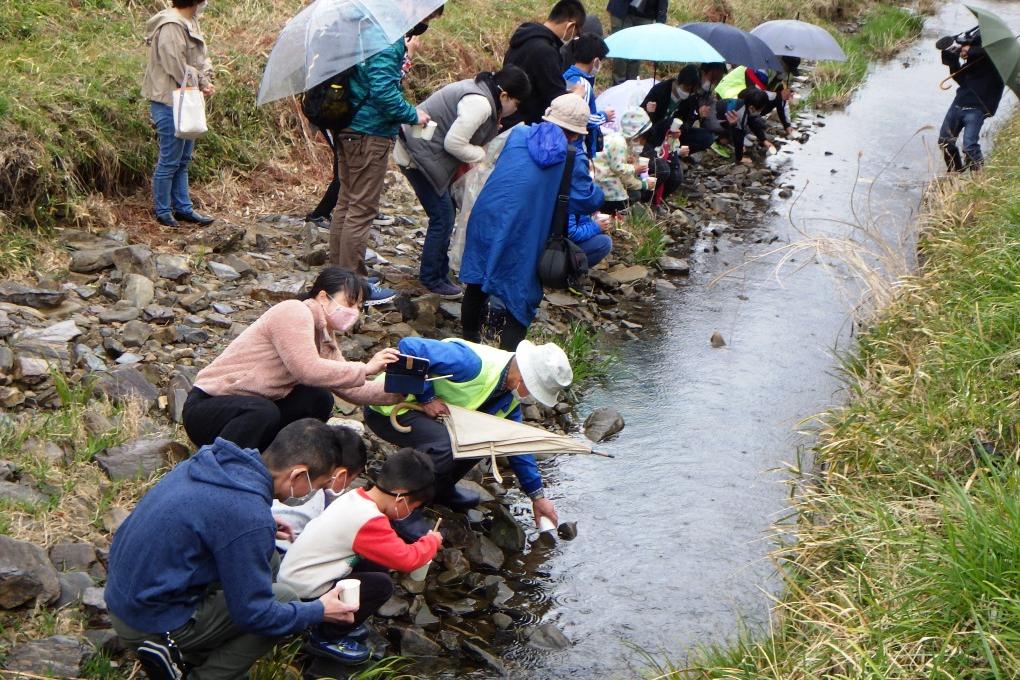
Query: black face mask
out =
(419, 28)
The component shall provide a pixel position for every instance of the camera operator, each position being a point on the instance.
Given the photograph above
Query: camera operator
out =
(977, 97)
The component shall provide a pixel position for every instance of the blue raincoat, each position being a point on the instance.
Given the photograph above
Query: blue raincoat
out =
(509, 224)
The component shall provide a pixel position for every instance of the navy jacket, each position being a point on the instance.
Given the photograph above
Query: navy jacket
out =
(980, 84)
(206, 524)
(653, 9)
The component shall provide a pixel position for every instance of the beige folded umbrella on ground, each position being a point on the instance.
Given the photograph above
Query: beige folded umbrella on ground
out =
(479, 435)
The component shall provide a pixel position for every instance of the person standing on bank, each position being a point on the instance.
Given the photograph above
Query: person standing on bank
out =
(286, 366)
(467, 114)
(977, 98)
(364, 151)
(177, 55)
(626, 14)
(535, 48)
(191, 570)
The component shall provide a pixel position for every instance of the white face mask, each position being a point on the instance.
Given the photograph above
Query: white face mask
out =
(596, 67)
(706, 85)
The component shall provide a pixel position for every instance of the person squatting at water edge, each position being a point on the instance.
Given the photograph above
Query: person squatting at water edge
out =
(286, 366)
(481, 378)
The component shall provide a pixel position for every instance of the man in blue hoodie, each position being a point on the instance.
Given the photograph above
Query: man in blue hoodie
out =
(190, 579)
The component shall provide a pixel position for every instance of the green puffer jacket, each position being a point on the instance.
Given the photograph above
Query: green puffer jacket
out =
(376, 82)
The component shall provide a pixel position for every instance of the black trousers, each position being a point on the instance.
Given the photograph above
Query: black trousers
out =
(431, 438)
(251, 422)
(325, 208)
(376, 588)
(510, 331)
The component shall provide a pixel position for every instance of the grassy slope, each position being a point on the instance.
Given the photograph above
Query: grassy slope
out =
(73, 125)
(908, 556)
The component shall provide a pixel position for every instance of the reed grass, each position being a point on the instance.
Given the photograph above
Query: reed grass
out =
(907, 556)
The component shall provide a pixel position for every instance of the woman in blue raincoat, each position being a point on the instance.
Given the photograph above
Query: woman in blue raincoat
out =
(510, 221)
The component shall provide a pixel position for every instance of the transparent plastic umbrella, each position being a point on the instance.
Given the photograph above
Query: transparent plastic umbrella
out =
(329, 36)
(793, 38)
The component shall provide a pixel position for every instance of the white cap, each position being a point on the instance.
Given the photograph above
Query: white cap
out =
(545, 370)
(570, 112)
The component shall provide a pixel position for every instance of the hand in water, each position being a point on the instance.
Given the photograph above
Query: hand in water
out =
(543, 507)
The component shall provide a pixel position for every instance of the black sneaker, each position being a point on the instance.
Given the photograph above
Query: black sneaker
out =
(194, 218)
(161, 661)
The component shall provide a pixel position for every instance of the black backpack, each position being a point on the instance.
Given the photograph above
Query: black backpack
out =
(328, 105)
(563, 264)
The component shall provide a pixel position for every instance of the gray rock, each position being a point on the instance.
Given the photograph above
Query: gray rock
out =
(109, 290)
(425, 618)
(59, 656)
(191, 335)
(70, 556)
(26, 574)
(113, 347)
(113, 518)
(139, 459)
(126, 383)
(92, 260)
(158, 314)
(137, 290)
(673, 265)
(30, 296)
(502, 621)
(222, 308)
(239, 264)
(567, 531)
(505, 531)
(222, 271)
(86, 358)
(602, 424)
(136, 259)
(276, 291)
(415, 643)
(62, 332)
(45, 449)
(7, 470)
(135, 333)
(129, 358)
(96, 422)
(548, 636)
(6, 325)
(394, 607)
(194, 302)
(72, 585)
(477, 652)
(93, 601)
(105, 640)
(21, 493)
(121, 312)
(173, 267)
(31, 369)
(485, 553)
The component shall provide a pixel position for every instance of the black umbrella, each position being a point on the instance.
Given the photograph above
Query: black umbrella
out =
(737, 46)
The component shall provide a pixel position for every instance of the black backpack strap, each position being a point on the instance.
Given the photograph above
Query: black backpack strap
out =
(559, 218)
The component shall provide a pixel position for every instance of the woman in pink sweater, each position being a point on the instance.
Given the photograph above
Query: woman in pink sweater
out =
(286, 366)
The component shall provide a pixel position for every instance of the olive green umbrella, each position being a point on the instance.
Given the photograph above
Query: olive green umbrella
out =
(1001, 45)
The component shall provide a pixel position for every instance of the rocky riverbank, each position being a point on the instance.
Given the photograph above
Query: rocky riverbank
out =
(97, 356)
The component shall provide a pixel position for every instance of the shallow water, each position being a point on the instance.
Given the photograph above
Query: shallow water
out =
(674, 532)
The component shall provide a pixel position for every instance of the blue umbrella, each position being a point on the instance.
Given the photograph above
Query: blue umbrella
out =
(659, 42)
(736, 46)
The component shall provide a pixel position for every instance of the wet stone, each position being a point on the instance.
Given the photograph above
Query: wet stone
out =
(486, 554)
(506, 532)
(394, 607)
(415, 643)
(602, 424)
(425, 618)
(673, 265)
(30, 296)
(486, 658)
(567, 531)
(26, 574)
(71, 556)
(548, 636)
(502, 621)
(59, 656)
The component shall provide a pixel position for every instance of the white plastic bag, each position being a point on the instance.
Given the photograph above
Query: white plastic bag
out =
(465, 192)
(189, 109)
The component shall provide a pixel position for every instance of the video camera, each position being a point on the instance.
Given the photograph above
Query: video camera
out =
(953, 43)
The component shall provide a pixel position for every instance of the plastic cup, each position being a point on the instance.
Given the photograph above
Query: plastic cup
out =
(675, 125)
(421, 572)
(651, 183)
(350, 591)
(415, 131)
(545, 524)
(429, 130)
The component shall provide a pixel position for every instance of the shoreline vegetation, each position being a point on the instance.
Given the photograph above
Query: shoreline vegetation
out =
(76, 146)
(905, 556)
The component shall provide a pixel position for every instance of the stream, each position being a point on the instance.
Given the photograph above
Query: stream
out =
(674, 533)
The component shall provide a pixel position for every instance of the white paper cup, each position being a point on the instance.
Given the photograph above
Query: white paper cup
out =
(415, 131)
(429, 130)
(545, 524)
(651, 185)
(350, 591)
(642, 161)
(421, 572)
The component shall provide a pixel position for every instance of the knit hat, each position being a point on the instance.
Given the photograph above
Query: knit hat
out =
(634, 122)
(570, 112)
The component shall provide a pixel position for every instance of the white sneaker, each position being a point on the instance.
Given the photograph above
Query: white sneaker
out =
(383, 220)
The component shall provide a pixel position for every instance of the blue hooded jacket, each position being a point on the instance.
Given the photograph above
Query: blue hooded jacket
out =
(596, 120)
(208, 521)
(509, 224)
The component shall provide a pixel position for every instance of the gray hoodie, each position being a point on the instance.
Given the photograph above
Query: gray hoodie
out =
(176, 46)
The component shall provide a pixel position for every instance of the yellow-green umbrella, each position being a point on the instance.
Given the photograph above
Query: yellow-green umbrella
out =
(1001, 45)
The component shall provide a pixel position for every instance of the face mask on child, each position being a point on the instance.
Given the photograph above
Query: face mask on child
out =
(706, 85)
(293, 501)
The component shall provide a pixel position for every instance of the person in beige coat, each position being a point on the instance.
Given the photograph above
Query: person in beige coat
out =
(177, 54)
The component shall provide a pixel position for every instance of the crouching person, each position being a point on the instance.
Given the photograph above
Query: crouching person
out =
(353, 539)
(190, 580)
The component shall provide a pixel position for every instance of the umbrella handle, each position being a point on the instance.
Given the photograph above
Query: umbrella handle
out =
(403, 429)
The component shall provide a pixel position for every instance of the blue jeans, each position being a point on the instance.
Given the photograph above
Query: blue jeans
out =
(170, 180)
(596, 248)
(435, 258)
(969, 121)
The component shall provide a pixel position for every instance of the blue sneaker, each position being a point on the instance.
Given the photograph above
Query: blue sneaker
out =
(378, 295)
(345, 650)
(359, 633)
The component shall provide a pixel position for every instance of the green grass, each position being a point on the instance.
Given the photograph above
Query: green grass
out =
(907, 561)
(883, 32)
(648, 234)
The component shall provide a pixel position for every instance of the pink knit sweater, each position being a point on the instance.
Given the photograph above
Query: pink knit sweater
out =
(288, 346)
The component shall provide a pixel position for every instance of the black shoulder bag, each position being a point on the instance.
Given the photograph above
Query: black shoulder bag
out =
(563, 263)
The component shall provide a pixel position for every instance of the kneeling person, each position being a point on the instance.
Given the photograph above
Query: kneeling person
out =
(353, 539)
(191, 572)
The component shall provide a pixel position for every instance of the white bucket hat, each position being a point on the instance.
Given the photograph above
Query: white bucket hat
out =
(545, 370)
(570, 112)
